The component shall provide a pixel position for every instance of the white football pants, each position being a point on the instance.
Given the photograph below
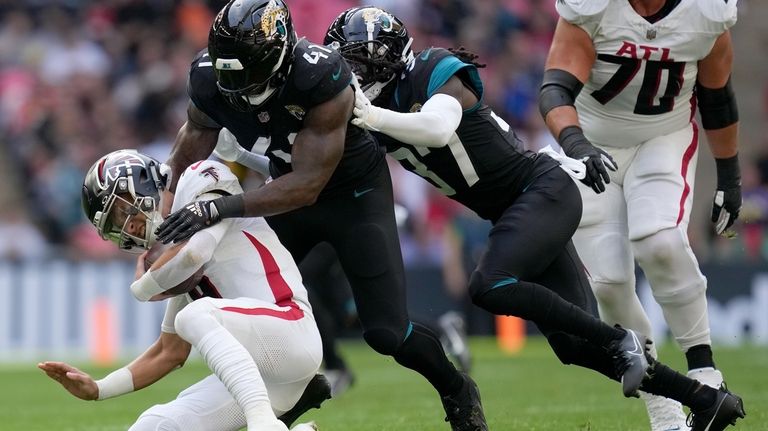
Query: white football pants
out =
(643, 215)
(285, 347)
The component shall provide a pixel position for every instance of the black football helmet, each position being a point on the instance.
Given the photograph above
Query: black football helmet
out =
(374, 42)
(251, 47)
(136, 180)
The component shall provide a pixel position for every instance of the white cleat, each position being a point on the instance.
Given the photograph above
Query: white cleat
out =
(309, 426)
(665, 414)
(708, 376)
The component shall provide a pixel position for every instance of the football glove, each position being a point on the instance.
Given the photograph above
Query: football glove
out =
(576, 146)
(367, 116)
(182, 224)
(727, 202)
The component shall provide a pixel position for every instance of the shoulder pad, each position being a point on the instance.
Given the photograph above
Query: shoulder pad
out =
(576, 11)
(719, 11)
(314, 66)
(203, 177)
(201, 84)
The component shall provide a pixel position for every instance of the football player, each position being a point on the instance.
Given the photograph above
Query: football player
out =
(248, 316)
(291, 100)
(625, 77)
(427, 110)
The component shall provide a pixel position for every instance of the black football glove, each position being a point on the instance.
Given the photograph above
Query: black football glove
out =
(577, 146)
(197, 216)
(727, 202)
(182, 224)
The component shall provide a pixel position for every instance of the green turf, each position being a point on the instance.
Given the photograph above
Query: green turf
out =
(530, 391)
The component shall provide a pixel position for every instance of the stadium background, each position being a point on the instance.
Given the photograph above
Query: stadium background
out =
(80, 78)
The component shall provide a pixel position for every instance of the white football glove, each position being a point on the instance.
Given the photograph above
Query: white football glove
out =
(367, 116)
(227, 148)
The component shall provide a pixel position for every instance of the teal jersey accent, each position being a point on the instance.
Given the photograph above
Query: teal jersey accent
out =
(448, 67)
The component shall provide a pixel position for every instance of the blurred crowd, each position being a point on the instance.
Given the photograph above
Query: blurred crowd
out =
(79, 78)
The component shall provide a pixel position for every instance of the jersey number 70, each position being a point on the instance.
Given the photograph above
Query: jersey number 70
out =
(628, 68)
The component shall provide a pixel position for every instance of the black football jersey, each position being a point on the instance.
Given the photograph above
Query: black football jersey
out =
(484, 166)
(317, 75)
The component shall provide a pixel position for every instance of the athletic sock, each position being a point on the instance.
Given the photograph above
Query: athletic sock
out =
(669, 383)
(544, 307)
(232, 364)
(422, 352)
(700, 356)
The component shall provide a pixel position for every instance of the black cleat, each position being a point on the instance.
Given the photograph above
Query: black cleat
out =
(630, 361)
(725, 411)
(318, 390)
(464, 410)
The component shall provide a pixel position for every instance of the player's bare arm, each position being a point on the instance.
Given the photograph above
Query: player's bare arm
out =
(720, 118)
(166, 354)
(715, 73)
(316, 152)
(195, 141)
(568, 65)
(432, 126)
(571, 51)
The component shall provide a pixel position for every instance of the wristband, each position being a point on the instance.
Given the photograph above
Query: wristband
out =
(230, 206)
(145, 287)
(116, 383)
(728, 172)
(570, 136)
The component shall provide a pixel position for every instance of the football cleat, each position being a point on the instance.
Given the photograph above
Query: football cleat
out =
(630, 361)
(318, 390)
(453, 337)
(725, 411)
(464, 410)
(340, 380)
(708, 376)
(665, 414)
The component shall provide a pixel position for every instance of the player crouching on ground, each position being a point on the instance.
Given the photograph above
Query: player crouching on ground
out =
(248, 316)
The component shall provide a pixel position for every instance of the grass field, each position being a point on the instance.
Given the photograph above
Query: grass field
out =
(530, 391)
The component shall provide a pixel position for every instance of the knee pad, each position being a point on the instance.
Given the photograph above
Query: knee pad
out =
(670, 266)
(659, 250)
(384, 340)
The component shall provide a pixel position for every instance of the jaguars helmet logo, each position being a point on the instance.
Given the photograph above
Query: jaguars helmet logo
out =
(374, 15)
(297, 111)
(273, 20)
(416, 107)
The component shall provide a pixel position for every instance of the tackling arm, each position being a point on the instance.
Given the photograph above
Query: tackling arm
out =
(316, 152)
(195, 141)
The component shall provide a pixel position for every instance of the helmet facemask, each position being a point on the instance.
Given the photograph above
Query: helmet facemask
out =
(124, 217)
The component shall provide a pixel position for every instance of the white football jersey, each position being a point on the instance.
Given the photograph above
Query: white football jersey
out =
(642, 82)
(249, 260)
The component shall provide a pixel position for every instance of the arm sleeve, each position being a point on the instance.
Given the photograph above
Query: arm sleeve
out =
(172, 308)
(192, 256)
(433, 126)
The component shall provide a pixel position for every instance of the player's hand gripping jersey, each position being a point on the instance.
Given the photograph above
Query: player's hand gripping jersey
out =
(484, 165)
(317, 75)
(641, 85)
(241, 257)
